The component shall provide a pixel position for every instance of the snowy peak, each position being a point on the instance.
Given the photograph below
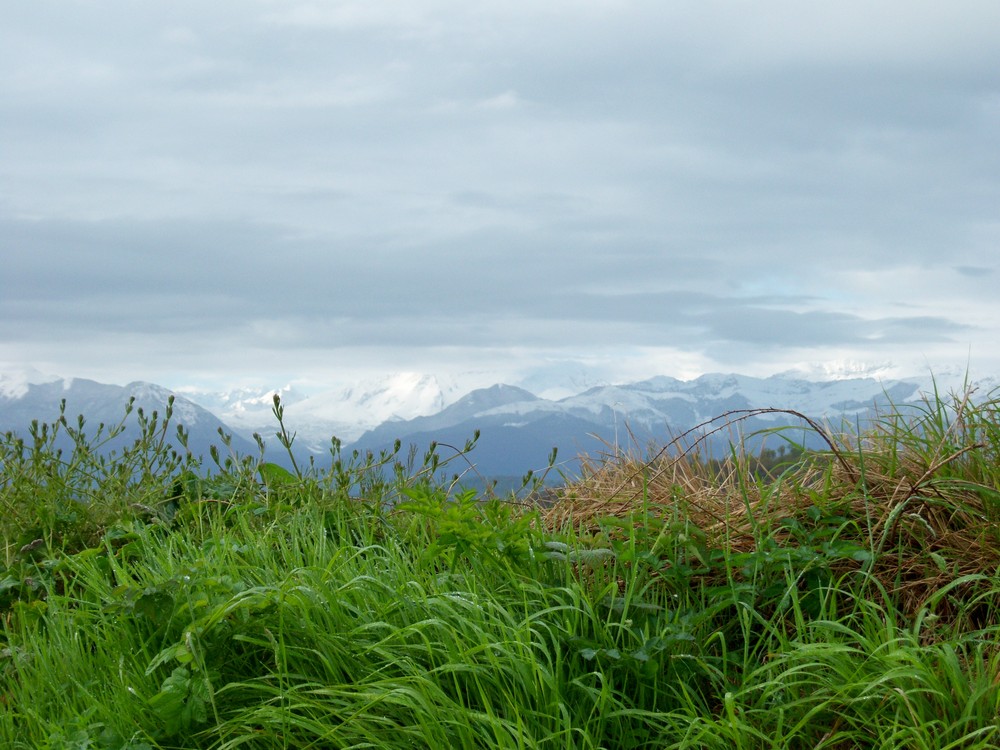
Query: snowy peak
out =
(152, 397)
(344, 409)
(557, 380)
(663, 403)
(651, 412)
(479, 404)
(483, 400)
(100, 403)
(246, 400)
(686, 403)
(247, 409)
(399, 396)
(15, 381)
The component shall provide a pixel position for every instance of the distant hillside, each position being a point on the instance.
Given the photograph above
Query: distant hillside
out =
(519, 429)
(100, 403)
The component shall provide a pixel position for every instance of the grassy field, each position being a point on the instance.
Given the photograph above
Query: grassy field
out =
(838, 599)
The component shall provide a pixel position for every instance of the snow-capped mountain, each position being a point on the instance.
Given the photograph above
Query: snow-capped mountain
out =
(245, 409)
(345, 410)
(14, 382)
(632, 415)
(21, 402)
(518, 427)
(665, 400)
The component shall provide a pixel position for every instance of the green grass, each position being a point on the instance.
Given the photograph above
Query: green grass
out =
(848, 599)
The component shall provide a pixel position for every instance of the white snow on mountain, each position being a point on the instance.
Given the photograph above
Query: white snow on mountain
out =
(316, 413)
(342, 410)
(246, 409)
(557, 380)
(152, 396)
(14, 380)
(661, 399)
(349, 410)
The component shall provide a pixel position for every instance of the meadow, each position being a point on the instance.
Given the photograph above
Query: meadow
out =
(843, 598)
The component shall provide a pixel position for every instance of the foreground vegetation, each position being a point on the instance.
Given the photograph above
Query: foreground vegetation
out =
(841, 599)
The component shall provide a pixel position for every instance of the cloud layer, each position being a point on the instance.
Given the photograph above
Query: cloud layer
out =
(294, 189)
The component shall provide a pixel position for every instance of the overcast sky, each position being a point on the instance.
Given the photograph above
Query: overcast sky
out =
(256, 192)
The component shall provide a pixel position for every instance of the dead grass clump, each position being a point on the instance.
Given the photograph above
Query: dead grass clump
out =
(925, 477)
(919, 485)
(728, 499)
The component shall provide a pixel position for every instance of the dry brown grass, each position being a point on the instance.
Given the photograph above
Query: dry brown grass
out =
(722, 498)
(922, 492)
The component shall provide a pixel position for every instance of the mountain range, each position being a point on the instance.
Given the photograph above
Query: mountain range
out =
(21, 403)
(518, 429)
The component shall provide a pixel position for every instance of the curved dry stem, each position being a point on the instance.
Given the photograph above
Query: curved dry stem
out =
(732, 417)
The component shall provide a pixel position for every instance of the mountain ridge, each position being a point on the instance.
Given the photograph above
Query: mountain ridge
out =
(651, 411)
(418, 409)
(103, 404)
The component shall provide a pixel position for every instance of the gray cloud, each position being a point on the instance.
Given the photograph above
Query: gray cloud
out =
(975, 272)
(296, 178)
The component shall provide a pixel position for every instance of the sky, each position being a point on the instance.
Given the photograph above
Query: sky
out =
(265, 191)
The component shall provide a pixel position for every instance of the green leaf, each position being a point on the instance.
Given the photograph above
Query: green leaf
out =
(156, 606)
(182, 701)
(169, 703)
(275, 476)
